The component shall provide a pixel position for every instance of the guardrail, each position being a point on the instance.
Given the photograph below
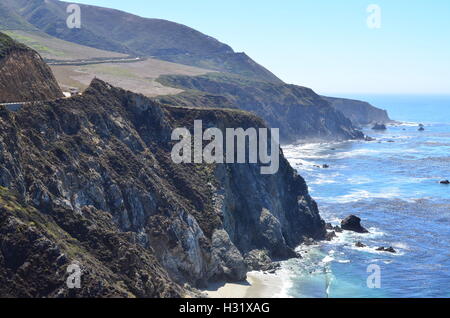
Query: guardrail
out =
(14, 106)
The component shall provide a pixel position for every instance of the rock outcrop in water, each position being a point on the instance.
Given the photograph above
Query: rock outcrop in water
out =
(379, 126)
(24, 76)
(90, 179)
(353, 223)
(387, 249)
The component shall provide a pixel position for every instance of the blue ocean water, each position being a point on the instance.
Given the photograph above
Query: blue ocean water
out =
(393, 185)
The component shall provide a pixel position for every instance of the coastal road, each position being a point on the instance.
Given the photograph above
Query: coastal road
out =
(97, 61)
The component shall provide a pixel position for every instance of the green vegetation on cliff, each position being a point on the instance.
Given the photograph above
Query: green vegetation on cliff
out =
(7, 44)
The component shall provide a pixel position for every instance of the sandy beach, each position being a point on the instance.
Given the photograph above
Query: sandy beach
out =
(257, 285)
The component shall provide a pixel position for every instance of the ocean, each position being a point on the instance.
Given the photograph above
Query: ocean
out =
(392, 184)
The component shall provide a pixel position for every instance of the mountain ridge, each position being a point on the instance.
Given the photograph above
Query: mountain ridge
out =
(169, 41)
(115, 30)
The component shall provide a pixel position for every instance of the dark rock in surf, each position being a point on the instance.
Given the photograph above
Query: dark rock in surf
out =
(330, 236)
(379, 127)
(387, 249)
(330, 227)
(353, 223)
(308, 241)
(359, 244)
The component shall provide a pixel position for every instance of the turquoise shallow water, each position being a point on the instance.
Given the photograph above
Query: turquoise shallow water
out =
(393, 185)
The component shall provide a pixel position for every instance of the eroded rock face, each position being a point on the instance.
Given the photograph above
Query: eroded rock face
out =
(24, 76)
(107, 153)
(37, 248)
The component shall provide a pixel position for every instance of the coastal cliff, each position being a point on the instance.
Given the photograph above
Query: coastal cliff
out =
(24, 76)
(299, 113)
(359, 112)
(90, 180)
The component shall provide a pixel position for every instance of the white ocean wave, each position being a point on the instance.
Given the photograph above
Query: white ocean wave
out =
(357, 195)
(359, 180)
(344, 261)
(321, 178)
(285, 276)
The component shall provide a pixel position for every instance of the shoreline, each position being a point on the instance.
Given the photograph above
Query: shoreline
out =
(257, 285)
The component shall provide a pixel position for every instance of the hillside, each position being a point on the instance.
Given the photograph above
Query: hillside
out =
(9, 19)
(24, 76)
(117, 31)
(139, 77)
(53, 49)
(359, 112)
(300, 113)
(86, 63)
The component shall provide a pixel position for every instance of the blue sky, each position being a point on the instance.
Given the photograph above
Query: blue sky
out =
(325, 44)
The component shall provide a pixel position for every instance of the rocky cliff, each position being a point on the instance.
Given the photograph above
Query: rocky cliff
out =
(359, 112)
(90, 180)
(24, 76)
(298, 111)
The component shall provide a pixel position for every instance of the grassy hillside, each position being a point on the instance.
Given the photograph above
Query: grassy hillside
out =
(138, 77)
(52, 48)
(117, 31)
(9, 19)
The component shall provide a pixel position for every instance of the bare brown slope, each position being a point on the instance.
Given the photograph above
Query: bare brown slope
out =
(24, 76)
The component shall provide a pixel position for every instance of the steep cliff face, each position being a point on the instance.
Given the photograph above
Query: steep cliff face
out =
(24, 76)
(300, 113)
(359, 112)
(37, 247)
(95, 181)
